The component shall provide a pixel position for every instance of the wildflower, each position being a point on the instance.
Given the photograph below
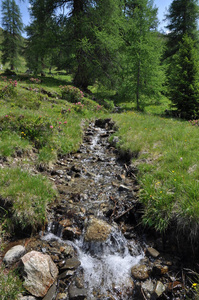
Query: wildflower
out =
(194, 285)
(59, 122)
(51, 126)
(173, 171)
(6, 116)
(65, 122)
(69, 110)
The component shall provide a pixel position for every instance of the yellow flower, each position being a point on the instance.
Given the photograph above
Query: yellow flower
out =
(194, 284)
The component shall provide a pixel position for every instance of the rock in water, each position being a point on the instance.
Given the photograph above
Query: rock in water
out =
(140, 272)
(40, 273)
(97, 230)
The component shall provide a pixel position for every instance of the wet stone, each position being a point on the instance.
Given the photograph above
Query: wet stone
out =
(62, 296)
(148, 288)
(66, 274)
(160, 288)
(140, 272)
(69, 233)
(76, 293)
(153, 252)
(71, 263)
(97, 230)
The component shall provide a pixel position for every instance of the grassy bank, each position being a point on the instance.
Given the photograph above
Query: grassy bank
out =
(167, 156)
(41, 119)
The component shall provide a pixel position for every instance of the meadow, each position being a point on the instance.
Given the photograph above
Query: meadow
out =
(42, 119)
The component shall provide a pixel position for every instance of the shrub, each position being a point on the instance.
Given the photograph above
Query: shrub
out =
(9, 89)
(71, 93)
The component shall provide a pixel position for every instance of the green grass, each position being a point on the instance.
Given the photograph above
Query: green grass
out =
(168, 158)
(34, 118)
(10, 284)
(25, 197)
(167, 149)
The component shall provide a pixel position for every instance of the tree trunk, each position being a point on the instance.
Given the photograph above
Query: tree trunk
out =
(138, 87)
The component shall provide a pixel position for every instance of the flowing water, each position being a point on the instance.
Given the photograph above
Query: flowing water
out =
(95, 184)
(106, 265)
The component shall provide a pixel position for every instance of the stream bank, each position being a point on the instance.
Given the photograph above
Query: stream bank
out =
(94, 235)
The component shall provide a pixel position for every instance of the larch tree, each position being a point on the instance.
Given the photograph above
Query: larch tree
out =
(142, 75)
(40, 35)
(13, 28)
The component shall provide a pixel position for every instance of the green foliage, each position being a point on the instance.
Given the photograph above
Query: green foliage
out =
(27, 198)
(10, 284)
(37, 130)
(10, 142)
(71, 93)
(9, 89)
(108, 104)
(183, 80)
(142, 75)
(41, 38)
(182, 19)
(13, 27)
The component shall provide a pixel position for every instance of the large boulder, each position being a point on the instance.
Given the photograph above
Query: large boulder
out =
(40, 272)
(14, 254)
(97, 230)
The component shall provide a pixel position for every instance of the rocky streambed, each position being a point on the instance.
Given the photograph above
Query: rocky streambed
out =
(93, 246)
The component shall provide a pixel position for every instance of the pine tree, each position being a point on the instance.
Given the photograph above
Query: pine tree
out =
(13, 28)
(184, 85)
(182, 19)
(41, 35)
(181, 57)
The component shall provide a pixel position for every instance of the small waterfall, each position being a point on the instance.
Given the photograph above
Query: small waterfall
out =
(106, 265)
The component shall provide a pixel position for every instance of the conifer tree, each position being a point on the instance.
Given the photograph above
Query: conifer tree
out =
(142, 73)
(13, 28)
(40, 35)
(182, 19)
(182, 57)
(184, 85)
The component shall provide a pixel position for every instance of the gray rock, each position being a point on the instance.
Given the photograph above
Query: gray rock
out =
(151, 251)
(160, 288)
(51, 292)
(76, 293)
(40, 272)
(148, 288)
(14, 254)
(71, 263)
